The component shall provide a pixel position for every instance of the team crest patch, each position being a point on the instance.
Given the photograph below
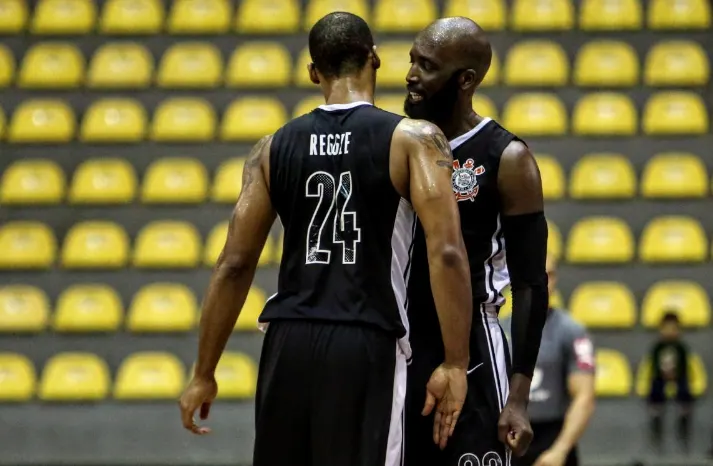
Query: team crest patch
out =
(465, 181)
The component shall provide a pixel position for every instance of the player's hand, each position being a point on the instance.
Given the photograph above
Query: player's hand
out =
(199, 393)
(551, 457)
(514, 428)
(446, 392)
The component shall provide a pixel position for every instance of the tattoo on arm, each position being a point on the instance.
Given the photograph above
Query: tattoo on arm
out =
(426, 134)
(254, 160)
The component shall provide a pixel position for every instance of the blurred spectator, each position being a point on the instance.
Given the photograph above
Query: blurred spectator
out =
(669, 380)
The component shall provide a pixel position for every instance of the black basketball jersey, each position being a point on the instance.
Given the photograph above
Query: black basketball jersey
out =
(476, 160)
(348, 233)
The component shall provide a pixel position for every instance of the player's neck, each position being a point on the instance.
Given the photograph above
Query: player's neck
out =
(347, 90)
(461, 122)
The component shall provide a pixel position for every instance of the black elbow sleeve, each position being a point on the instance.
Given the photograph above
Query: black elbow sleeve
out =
(526, 241)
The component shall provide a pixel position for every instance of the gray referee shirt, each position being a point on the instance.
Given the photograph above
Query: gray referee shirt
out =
(566, 348)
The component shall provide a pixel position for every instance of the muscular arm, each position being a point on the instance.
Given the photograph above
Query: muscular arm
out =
(581, 390)
(525, 232)
(249, 228)
(430, 165)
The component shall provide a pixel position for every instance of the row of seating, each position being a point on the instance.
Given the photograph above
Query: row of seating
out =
(177, 244)
(105, 245)
(261, 64)
(158, 307)
(183, 180)
(186, 119)
(283, 16)
(173, 307)
(78, 376)
(75, 376)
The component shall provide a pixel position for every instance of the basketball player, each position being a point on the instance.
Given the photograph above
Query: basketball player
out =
(345, 180)
(497, 184)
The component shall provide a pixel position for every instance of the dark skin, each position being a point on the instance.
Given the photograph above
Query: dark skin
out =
(458, 47)
(421, 169)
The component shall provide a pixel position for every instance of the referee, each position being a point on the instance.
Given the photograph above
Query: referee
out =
(562, 390)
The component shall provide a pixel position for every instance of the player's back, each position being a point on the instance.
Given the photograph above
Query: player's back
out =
(348, 232)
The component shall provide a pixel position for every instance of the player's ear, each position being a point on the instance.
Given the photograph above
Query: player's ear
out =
(313, 76)
(375, 60)
(468, 79)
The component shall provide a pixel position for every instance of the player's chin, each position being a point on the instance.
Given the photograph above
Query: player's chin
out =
(415, 110)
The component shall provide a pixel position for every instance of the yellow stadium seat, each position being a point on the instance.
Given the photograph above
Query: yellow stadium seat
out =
(228, 181)
(610, 15)
(482, 105)
(602, 176)
(673, 239)
(613, 377)
(677, 63)
(190, 65)
(403, 15)
(687, 298)
(167, 244)
(609, 63)
(254, 304)
(394, 57)
(674, 175)
(7, 65)
(175, 180)
(183, 119)
(600, 240)
(492, 77)
(32, 181)
(103, 181)
(95, 244)
(316, 9)
(163, 307)
(536, 63)
(26, 245)
(199, 17)
(42, 121)
(554, 240)
(88, 308)
(603, 305)
(64, 17)
(268, 16)
(14, 16)
(553, 185)
(120, 65)
(542, 15)
(698, 380)
(490, 14)
(393, 103)
(250, 118)
(260, 64)
(306, 105)
(679, 14)
(113, 121)
(216, 241)
(131, 17)
(605, 114)
(51, 66)
(535, 114)
(668, 113)
(17, 378)
(74, 377)
(300, 75)
(236, 375)
(149, 375)
(23, 309)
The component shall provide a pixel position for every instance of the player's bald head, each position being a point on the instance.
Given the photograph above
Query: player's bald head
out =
(460, 41)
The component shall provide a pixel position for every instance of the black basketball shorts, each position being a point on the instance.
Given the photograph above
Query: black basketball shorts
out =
(475, 438)
(329, 394)
(545, 434)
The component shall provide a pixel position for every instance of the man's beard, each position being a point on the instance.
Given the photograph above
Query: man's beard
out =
(438, 107)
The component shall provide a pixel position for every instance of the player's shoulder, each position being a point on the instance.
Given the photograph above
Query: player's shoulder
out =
(410, 131)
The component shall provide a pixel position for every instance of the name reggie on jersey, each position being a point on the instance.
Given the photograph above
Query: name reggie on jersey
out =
(329, 144)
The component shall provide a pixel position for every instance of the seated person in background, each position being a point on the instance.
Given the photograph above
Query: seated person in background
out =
(669, 379)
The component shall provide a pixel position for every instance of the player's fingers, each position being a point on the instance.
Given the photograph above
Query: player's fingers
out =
(456, 414)
(437, 428)
(186, 415)
(503, 431)
(446, 421)
(205, 410)
(430, 403)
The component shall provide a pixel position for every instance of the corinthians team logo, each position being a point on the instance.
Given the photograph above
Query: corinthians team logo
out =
(464, 181)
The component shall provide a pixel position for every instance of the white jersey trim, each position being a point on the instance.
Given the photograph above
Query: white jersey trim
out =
(347, 106)
(395, 442)
(465, 136)
(401, 249)
(497, 276)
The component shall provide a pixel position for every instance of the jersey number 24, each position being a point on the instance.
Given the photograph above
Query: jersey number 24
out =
(331, 212)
